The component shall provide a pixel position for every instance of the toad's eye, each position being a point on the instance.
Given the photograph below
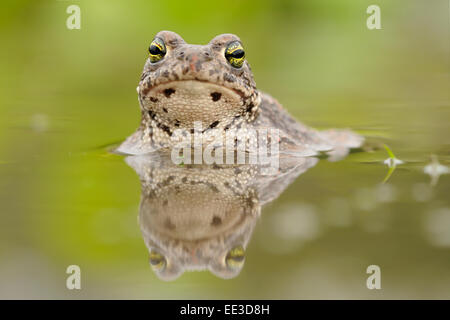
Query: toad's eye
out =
(157, 50)
(235, 54)
(235, 257)
(157, 260)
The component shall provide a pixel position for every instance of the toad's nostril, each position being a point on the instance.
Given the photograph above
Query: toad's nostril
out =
(180, 55)
(207, 55)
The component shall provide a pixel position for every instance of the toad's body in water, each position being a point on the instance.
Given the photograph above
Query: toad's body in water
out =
(212, 84)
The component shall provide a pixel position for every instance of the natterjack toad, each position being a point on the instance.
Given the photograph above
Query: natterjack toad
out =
(184, 84)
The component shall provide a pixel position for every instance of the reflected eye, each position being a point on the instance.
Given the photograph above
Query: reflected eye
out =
(235, 54)
(235, 257)
(157, 50)
(157, 260)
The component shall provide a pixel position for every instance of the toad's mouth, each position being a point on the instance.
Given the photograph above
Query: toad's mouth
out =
(183, 102)
(193, 84)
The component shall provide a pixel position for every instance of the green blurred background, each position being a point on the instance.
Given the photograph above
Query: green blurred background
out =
(64, 94)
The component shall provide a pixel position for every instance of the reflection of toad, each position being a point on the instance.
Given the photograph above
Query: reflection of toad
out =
(197, 217)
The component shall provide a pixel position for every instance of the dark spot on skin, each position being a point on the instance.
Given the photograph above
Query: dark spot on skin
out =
(192, 131)
(152, 114)
(165, 202)
(216, 96)
(168, 92)
(144, 75)
(165, 128)
(165, 110)
(250, 203)
(153, 99)
(169, 225)
(145, 90)
(175, 75)
(217, 46)
(250, 107)
(213, 188)
(214, 124)
(216, 221)
(215, 166)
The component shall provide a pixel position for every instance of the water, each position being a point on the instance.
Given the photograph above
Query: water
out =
(65, 200)
(314, 238)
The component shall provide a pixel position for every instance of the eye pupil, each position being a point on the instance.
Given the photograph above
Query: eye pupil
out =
(154, 50)
(238, 54)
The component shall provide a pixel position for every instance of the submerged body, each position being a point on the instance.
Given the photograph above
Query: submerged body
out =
(183, 85)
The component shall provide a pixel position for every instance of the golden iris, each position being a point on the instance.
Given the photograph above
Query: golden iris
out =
(157, 260)
(235, 54)
(157, 50)
(235, 257)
